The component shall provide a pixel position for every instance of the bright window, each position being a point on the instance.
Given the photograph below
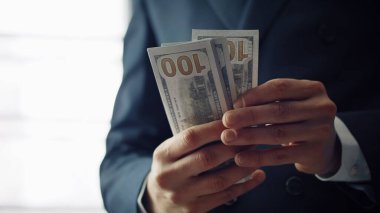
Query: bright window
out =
(60, 68)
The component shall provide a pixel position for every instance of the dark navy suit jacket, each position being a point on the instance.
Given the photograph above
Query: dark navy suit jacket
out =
(335, 42)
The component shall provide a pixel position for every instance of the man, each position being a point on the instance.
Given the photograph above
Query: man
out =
(325, 127)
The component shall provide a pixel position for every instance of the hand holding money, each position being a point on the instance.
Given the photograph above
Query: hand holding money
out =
(295, 114)
(177, 181)
(298, 115)
(197, 85)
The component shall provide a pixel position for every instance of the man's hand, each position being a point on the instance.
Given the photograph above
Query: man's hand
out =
(177, 181)
(296, 114)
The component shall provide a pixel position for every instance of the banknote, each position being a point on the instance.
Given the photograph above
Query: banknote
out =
(190, 83)
(221, 50)
(243, 48)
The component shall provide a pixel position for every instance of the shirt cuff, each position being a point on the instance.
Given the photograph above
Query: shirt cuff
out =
(353, 166)
(140, 204)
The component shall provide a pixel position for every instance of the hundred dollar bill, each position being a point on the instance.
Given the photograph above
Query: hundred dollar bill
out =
(190, 83)
(174, 43)
(221, 50)
(243, 48)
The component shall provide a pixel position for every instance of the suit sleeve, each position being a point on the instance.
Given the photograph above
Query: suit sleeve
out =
(364, 125)
(359, 107)
(138, 123)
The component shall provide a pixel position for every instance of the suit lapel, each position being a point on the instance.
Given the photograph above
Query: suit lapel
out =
(226, 11)
(261, 15)
(257, 14)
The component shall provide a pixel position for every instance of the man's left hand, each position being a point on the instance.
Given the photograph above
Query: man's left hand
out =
(296, 114)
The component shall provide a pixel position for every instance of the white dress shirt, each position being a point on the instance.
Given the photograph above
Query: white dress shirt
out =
(354, 167)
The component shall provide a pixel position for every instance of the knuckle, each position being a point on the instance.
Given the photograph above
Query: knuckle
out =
(330, 108)
(252, 114)
(283, 110)
(205, 158)
(279, 134)
(189, 137)
(175, 197)
(158, 153)
(218, 183)
(162, 180)
(318, 87)
(280, 86)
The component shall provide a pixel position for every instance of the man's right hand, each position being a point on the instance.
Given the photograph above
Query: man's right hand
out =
(177, 182)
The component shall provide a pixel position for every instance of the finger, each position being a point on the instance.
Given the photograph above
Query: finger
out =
(218, 181)
(273, 134)
(280, 89)
(209, 202)
(272, 157)
(204, 159)
(190, 140)
(280, 112)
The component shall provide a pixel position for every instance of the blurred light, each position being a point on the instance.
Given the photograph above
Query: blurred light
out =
(60, 68)
(64, 17)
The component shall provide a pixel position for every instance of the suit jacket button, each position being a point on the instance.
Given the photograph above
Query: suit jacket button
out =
(294, 186)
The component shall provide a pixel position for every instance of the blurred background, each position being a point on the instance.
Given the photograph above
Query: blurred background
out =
(60, 68)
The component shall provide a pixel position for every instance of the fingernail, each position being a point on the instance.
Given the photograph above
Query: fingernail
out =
(229, 135)
(239, 160)
(238, 104)
(259, 175)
